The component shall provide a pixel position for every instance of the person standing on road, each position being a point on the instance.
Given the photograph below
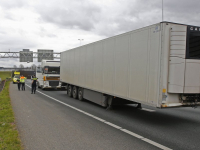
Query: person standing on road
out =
(18, 83)
(22, 80)
(34, 84)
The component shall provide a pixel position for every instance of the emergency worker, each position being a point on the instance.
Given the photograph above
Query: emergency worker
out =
(22, 80)
(18, 83)
(34, 84)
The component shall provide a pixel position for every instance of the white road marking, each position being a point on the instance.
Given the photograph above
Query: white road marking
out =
(98, 118)
(133, 134)
(156, 144)
(111, 124)
(145, 109)
(88, 114)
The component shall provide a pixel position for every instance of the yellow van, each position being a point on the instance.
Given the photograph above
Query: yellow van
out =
(16, 77)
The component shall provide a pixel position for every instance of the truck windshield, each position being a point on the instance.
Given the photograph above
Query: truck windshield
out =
(16, 76)
(51, 70)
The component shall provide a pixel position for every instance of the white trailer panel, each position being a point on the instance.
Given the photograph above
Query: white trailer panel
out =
(138, 65)
(98, 66)
(108, 65)
(148, 66)
(125, 66)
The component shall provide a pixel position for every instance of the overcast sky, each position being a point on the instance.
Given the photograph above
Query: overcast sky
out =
(58, 24)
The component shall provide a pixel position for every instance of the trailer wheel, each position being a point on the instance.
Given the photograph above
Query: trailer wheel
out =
(69, 91)
(80, 94)
(75, 92)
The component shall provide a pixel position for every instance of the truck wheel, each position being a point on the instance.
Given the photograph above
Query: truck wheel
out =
(75, 92)
(69, 91)
(80, 94)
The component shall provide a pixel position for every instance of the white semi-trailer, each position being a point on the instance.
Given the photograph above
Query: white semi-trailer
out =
(158, 65)
(48, 74)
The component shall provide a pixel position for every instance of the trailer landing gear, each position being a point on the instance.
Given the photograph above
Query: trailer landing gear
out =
(139, 106)
(110, 102)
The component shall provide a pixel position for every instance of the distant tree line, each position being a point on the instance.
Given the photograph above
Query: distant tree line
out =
(33, 67)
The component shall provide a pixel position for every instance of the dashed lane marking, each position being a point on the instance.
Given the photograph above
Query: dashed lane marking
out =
(111, 124)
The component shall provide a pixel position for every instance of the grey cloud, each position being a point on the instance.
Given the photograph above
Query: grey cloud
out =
(175, 11)
(2, 32)
(141, 13)
(9, 16)
(10, 4)
(182, 6)
(186, 12)
(16, 44)
(51, 35)
(43, 32)
(73, 14)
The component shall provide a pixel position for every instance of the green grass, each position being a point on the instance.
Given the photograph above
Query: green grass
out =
(5, 74)
(9, 137)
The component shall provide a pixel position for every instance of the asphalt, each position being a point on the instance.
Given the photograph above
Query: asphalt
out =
(45, 124)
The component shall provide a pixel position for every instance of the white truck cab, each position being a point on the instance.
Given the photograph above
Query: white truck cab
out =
(48, 74)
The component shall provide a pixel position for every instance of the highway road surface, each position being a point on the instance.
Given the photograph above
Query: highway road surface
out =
(50, 119)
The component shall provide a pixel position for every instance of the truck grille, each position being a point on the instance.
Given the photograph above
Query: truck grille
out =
(53, 78)
(53, 83)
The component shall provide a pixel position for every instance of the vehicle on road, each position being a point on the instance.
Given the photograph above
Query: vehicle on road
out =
(48, 74)
(158, 65)
(16, 77)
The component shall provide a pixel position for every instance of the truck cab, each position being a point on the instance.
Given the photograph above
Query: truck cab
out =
(48, 74)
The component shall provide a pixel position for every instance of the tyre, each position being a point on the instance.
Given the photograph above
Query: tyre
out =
(75, 92)
(80, 94)
(69, 91)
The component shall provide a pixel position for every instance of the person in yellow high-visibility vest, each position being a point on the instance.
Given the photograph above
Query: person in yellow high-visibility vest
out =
(22, 81)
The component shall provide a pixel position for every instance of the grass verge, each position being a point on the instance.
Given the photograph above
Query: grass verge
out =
(5, 74)
(9, 137)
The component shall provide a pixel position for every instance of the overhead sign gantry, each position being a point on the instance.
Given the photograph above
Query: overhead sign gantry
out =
(26, 55)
